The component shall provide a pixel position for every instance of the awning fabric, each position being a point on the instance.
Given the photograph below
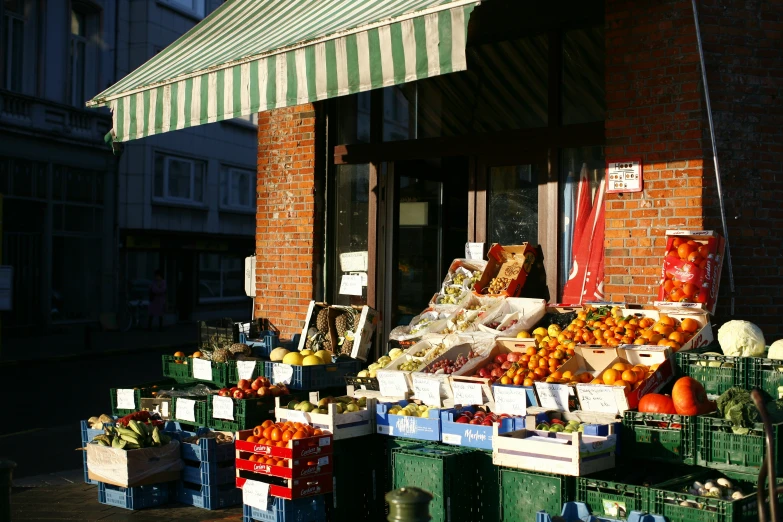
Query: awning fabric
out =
(253, 55)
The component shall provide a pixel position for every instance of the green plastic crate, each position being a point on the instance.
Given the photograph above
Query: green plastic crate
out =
(219, 375)
(390, 445)
(720, 448)
(659, 436)
(764, 374)
(488, 486)
(248, 413)
(729, 372)
(446, 472)
(233, 372)
(199, 411)
(145, 390)
(665, 499)
(358, 471)
(524, 493)
(175, 368)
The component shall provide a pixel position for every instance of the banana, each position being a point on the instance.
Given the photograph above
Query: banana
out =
(156, 435)
(104, 438)
(131, 445)
(115, 443)
(126, 431)
(122, 444)
(138, 427)
(102, 442)
(165, 439)
(131, 438)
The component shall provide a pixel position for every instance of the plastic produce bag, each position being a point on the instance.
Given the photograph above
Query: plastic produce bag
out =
(516, 315)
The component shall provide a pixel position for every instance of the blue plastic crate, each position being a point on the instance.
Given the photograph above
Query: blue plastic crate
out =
(139, 497)
(316, 377)
(209, 497)
(206, 450)
(310, 509)
(472, 435)
(209, 473)
(263, 345)
(87, 435)
(420, 428)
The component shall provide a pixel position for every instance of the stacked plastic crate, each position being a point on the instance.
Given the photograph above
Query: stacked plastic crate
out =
(208, 476)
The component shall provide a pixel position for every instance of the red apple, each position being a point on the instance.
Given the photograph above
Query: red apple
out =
(224, 392)
(463, 420)
(468, 414)
(501, 358)
(491, 366)
(487, 422)
(239, 394)
(243, 384)
(233, 389)
(477, 420)
(514, 356)
(484, 373)
(497, 372)
(506, 365)
(258, 383)
(250, 394)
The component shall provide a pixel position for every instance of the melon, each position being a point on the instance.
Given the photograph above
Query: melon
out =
(278, 354)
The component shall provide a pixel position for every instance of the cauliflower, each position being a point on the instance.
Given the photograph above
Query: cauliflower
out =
(776, 350)
(741, 339)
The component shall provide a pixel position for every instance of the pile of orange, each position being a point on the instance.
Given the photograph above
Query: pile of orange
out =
(626, 375)
(278, 434)
(695, 253)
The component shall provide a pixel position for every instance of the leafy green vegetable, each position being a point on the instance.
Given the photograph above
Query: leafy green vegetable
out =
(736, 406)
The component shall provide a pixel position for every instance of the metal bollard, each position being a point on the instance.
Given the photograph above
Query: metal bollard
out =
(6, 474)
(409, 505)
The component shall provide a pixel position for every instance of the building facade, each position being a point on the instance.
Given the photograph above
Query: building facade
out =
(85, 229)
(408, 174)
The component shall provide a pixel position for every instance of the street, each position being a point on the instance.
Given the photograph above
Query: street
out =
(44, 402)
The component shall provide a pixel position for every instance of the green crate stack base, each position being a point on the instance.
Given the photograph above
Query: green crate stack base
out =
(248, 413)
(199, 410)
(358, 471)
(233, 372)
(448, 473)
(715, 380)
(720, 448)
(524, 493)
(175, 368)
(390, 445)
(712, 510)
(644, 437)
(764, 374)
(488, 487)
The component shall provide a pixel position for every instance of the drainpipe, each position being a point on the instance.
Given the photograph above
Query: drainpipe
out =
(714, 154)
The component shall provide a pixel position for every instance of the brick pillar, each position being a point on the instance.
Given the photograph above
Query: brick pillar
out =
(285, 219)
(654, 112)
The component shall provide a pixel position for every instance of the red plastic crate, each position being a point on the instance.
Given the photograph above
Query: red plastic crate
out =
(309, 447)
(294, 488)
(299, 467)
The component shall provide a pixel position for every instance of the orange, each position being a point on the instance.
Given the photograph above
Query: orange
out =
(299, 435)
(527, 382)
(258, 430)
(665, 319)
(694, 257)
(287, 435)
(531, 350)
(610, 375)
(623, 383)
(518, 379)
(558, 375)
(675, 346)
(689, 289)
(677, 337)
(317, 432)
(689, 325)
(673, 253)
(281, 444)
(276, 434)
(621, 366)
(596, 381)
(663, 329)
(506, 379)
(267, 423)
(252, 439)
(677, 295)
(630, 376)
(684, 250)
(585, 377)
(268, 432)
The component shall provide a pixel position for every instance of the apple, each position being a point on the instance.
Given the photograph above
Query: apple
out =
(263, 392)
(506, 365)
(497, 372)
(480, 413)
(275, 391)
(468, 414)
(501, 358)
(243, 384)
(514, 357)
(491, 366)
(224, 392)
(239, 394)
(487, 422)
(258, 383)
(233, 389)
(477, 420)
(250, 394)
(463, 420)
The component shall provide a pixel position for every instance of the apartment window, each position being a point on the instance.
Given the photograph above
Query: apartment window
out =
(13, 20)
(78, 56)
(237, 188)
(220, 277)
(179, 180)
(195, 7)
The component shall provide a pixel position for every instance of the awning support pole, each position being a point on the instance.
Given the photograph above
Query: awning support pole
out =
(714, 154)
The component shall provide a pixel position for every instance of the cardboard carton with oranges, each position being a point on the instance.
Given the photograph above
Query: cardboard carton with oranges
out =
(691, 269)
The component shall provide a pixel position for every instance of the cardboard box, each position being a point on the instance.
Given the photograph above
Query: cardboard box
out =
(512, 263)
(703, 272)
(470, 265)
(574, 454)
(138, 467)
(612, 399)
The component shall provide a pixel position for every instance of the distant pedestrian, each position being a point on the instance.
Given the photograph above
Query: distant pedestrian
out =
(157, 306)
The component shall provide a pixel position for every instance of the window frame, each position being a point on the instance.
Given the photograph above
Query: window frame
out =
(226, 173)
(73, 41)
(166, 198)
(9, 17)
(221, 299)
(198, 12)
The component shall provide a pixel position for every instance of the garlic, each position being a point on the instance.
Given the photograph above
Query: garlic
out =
(709, 485)
(726, 483)
(737, 495)
(697, 485)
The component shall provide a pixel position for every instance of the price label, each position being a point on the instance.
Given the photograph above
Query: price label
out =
(323, 461)
(595, 397)
(256, 494)
(510, 399)
(282, 373)
(451, 438)
(467, 394)
(427, 390)
(385, 430)
(474, 250)
(392, 383)
(222, 407)
(552, 396)
(297, 416)
(164, 408)
(186, 410)
(245, 369)
(351, 285)
(201, 369)
(126, 399)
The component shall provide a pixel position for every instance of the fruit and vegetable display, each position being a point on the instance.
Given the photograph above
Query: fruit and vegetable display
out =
(382, 362)
(279, 434)
(304, 357)
(718, 488)
(449, 366)
(686, 270)
(736, 406)
(626, 375)
(259, 387)
(219, 437)
(136, 435)
(411, 410)
(342, 405)
(481, 417)
(457, 285)
(561, 426)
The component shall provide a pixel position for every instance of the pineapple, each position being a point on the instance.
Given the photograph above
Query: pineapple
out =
(239, 349)
(341, 323)
(221, 355)
(346, 337)
(322, 321)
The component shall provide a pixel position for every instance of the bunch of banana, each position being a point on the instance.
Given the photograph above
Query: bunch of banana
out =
(136, 435)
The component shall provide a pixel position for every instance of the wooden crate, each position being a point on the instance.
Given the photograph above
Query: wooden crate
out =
(340, 425)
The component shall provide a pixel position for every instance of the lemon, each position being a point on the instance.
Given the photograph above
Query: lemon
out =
(306, 352)
(293, 358)
(312, 360)
(524, 334)
(540, 331)
(324, 355)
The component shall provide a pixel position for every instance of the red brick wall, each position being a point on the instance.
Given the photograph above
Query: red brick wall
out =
(285, 220)
(743, 43)
(654, 112)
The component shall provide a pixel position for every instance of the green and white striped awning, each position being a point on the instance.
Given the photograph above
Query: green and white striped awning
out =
(253, 55)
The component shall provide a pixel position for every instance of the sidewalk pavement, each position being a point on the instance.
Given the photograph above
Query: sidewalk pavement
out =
(65, 496)
(71, 342)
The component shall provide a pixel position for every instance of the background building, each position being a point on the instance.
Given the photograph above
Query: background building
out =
(85, 229)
